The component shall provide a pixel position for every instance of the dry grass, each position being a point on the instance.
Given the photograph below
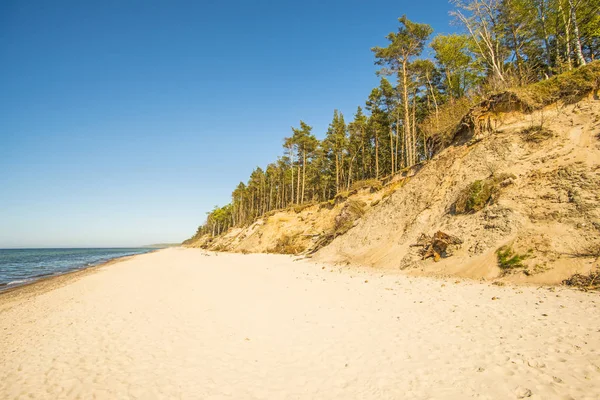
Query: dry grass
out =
(587, 282)
(591, 250)
(344, 221)
(537, 134)
(440, 127)
(373, 185)
(343, 196)
(353, 210)
(298, 208)
(569, 87)
(329, 204)
(286, 245)
(390, 188)
(465, 116)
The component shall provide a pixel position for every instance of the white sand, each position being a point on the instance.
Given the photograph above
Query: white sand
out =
(179, 324)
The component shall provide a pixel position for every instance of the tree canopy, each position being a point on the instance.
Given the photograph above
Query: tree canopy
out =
(503, 43)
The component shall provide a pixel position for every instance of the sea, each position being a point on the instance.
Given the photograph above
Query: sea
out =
(22, 266)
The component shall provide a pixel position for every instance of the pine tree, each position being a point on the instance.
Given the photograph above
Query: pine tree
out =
(405, 44)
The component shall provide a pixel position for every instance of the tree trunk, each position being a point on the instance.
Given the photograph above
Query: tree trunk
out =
(518, 56)
(391, 151)
(350, 172)
(542, 16)
(376, 155)
(414, 127)
(364, 159)
(567, 24)
(449, 84)
(578, 51)
(283, 186)
(398, 155)
(298, 182)
(303, 175)
(270, 207)
(403, 151)
(435, 103)
(292, 165)
(407, 130)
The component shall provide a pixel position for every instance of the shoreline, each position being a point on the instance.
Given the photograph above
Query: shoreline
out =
(47, 283)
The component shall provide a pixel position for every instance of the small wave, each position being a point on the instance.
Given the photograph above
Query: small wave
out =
(18, 281)
(44, 274)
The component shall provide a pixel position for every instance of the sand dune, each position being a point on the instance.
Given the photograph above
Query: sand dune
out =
(181, 324)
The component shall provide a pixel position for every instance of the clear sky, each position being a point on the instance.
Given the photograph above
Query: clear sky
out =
(123, 122)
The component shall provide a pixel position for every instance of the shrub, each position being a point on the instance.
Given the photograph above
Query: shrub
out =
(479, 193)
(286, 245)
(353, 210)
(329, 204)
(343, 196)
(508, 259)
(357, 207)
(298, 208)
(344, 221)
(536, 134)
(440, 128)
(568, 87)
(373, 184)
(474, 197)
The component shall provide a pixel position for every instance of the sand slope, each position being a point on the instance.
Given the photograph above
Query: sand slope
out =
(545, 206)
(548, 207)
(180, 324)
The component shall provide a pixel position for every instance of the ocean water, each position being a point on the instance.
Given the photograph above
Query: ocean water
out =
(20, 266)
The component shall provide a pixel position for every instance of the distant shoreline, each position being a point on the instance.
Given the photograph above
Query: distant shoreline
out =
(46, 283)
(55, 261)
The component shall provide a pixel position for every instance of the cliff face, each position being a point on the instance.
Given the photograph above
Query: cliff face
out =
(518, 191)
(543, 184)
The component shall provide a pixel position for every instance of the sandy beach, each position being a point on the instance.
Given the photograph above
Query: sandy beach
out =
(183, 323)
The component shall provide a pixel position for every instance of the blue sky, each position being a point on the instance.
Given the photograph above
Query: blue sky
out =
(123, 122)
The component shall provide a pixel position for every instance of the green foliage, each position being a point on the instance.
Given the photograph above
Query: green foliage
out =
(474, 197)
(414, 112)
(453, 54)
(407, 42)
(479, 193)
(508, 259)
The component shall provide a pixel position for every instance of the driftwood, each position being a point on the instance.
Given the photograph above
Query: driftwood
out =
(322, 241)
(585, 282)
(436, 246)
